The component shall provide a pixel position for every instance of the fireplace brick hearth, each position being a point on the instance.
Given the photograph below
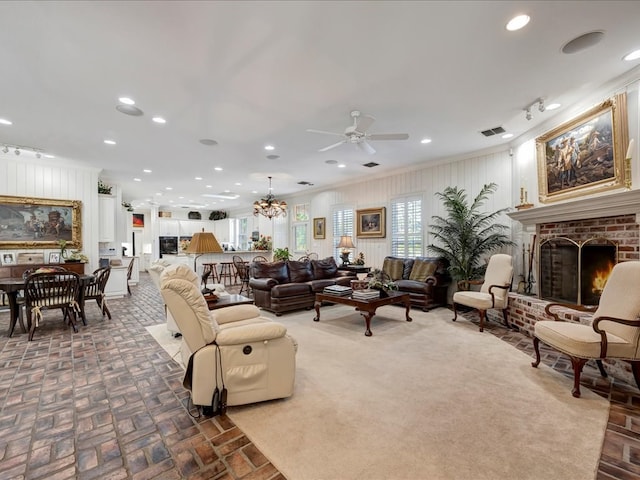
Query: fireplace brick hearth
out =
(615, 217)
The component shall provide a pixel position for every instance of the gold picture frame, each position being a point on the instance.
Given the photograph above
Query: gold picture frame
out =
(371, 223)
(319, 228)
(27, 222)
(584, 155)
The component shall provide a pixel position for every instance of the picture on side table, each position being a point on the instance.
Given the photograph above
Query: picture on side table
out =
(8, 259)
(584, 155)
(54, 257)
(319, 228)
(370, 223)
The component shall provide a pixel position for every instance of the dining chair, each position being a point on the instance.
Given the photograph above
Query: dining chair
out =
(51, 290)
(242, 269)
(259, 258)
(129, 271)
(95, 290)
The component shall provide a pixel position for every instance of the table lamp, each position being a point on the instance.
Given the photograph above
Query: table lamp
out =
(201, 243)
(346, 243)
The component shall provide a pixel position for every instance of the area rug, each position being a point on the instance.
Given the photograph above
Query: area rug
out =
(424, 399)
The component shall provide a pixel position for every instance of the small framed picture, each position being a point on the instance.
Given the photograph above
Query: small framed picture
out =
(8, 259)
(54, 257)
(319, 228)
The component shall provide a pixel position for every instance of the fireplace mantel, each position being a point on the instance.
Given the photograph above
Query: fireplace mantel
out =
(627, 202)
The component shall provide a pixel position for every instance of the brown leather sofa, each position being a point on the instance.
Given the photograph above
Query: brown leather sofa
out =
(425, 279)
(283, 286)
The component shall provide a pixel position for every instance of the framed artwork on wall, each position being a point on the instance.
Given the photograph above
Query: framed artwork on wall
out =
(319, 228)
(138, 220)
(371, 223)
(584, 155)
(39, 223)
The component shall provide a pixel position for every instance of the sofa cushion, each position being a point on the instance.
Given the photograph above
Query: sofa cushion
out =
(300, 272)
(422, 269)
(290, 290)
(414, 286)
(317, 286)
(325, 268)
(275, 270)
(393, 267)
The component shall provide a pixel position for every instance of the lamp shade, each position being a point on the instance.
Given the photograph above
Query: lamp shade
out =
(204, 242)
(346, 242)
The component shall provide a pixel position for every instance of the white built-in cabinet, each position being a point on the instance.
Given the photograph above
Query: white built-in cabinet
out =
(107, 208)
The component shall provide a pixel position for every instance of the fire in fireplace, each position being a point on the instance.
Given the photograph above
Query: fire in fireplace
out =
(575, 272)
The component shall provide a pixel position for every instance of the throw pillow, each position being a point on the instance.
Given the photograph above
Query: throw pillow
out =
(422, 269)
(393, 267)
(300, 272)
(325, 268)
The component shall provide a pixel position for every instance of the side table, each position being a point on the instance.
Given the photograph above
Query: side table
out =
(355, 268)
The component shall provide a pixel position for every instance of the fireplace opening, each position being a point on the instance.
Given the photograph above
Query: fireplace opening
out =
(575, 272)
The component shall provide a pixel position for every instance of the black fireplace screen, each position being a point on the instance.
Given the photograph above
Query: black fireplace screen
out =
(575, 272)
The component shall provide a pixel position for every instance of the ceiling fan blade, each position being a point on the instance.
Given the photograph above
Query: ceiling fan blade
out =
(366, 147)
(388, 136)
(332, 146)
(311, 130)
(364, 122)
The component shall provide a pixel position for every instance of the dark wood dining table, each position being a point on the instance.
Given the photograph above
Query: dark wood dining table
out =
(12, 286)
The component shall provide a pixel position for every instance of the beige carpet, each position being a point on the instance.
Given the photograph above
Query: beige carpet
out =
(430, 399)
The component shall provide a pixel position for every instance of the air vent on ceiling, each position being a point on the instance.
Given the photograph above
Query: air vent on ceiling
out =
(304, 182)
(493, 131)
(370, 164)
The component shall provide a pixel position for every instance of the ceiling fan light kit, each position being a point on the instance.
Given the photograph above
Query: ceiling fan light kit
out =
(356, 134)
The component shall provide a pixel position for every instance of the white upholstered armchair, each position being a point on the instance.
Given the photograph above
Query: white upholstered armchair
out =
(494, 292)
(614, 332)
(258, 357)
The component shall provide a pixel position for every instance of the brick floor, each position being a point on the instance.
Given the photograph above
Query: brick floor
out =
(107, 403)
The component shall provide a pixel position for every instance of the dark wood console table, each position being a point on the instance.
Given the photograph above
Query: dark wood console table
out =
(13, 271)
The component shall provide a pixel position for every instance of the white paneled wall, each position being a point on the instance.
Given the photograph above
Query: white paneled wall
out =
(25, 177)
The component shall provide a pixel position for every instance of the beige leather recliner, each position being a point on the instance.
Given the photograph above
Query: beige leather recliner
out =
(258, 357)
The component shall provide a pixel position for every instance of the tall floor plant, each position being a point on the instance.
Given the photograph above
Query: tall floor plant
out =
(467, 234)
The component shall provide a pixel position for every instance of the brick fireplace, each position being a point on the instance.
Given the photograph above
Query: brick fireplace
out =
(614, 217)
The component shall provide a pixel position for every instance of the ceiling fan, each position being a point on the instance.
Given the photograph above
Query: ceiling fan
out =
(357, 134)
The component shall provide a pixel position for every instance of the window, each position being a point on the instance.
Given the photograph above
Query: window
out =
(300, 237)
(342, 225)
(302, 212)
(406, 227)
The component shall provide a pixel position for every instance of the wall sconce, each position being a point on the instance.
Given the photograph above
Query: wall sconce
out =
(527, 109)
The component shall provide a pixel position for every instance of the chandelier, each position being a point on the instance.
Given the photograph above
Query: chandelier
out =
(270, 206)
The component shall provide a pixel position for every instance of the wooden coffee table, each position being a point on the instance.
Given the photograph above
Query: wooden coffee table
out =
(367, 308)
(228, 301)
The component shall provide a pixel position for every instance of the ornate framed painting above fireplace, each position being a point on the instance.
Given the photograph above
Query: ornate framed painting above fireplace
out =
(584, 155)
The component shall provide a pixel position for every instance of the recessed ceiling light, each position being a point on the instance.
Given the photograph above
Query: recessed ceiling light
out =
(158, 194)
(516, 23)
(159, 120)
(48, 155)
(632, 56)
(269, 147)
(425, 140)
(180, 198)
(198, 178)
(217, 169)
(552, 106)
(330, 162)
(507, 135)
(110, 142)
(137, 180)
(168, 188)
(237, 184)
(126, 101)
(209, 186)
(4, 121)
(342, 165)
(146, 170)
(208, 141)
(254, 191)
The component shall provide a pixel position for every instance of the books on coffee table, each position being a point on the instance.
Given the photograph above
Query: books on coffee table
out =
(366, 294)
(339, 290)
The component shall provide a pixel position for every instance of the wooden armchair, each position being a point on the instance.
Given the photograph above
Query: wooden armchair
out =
(614, 332)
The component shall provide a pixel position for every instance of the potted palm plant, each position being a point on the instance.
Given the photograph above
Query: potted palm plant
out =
(467, 234)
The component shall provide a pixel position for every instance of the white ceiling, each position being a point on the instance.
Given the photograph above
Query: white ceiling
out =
(248, 74)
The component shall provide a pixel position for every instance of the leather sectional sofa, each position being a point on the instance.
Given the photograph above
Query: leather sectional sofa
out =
(283, 286)
(426, 279)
